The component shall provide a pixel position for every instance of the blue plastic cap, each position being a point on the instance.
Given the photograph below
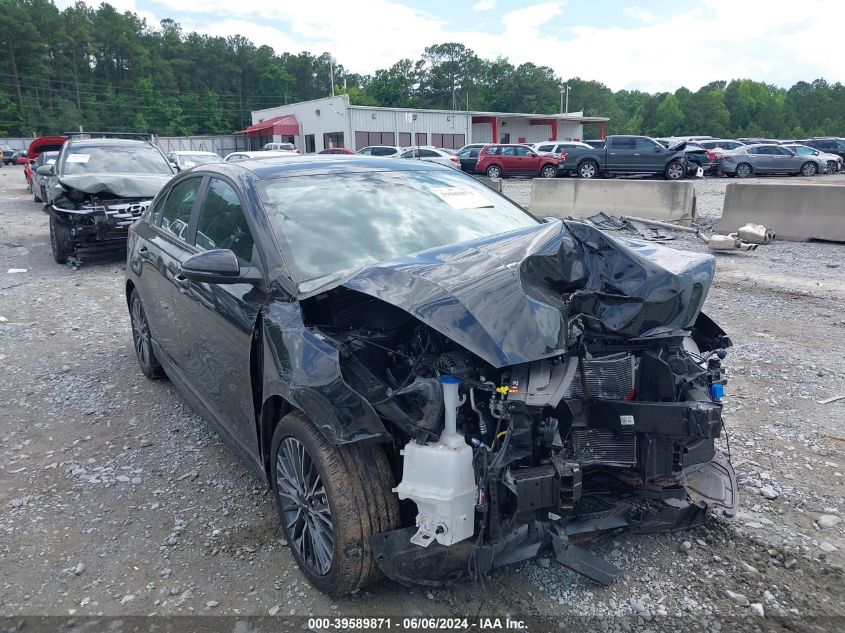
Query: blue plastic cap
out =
(717, 392)
(449, 380)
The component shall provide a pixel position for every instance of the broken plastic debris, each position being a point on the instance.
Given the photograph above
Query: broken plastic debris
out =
(16, 270)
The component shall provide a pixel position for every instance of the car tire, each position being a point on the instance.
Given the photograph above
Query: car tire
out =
(494, 171)
(743, 170)
(675, 170)
(549, 171)
(832, 167)
(356, 502)
(142, 339)
(36, 193)
(809, 169)
(61, 241)
(588, 169)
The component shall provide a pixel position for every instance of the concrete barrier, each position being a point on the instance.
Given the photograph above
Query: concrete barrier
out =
(495, 183)
(797, 211)
(577, 197)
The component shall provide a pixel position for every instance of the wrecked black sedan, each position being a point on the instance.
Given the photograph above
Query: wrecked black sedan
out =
(96, 189)
(433, 382)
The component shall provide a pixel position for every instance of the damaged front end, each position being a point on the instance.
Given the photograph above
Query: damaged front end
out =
(92, 213)
(97, 224)
(536, 391)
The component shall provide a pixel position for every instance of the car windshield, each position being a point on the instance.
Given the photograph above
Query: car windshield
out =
(115, 159)
(378, 216)
(192, 160)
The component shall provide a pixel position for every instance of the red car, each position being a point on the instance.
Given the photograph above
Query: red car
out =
(41, 144)
(497, 160)
(336, 150)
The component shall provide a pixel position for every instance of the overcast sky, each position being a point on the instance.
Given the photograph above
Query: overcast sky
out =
(652, 45)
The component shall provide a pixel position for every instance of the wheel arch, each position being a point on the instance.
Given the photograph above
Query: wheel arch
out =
(273, 409)
(130, 286)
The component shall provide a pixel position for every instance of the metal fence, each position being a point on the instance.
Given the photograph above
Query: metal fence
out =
(220, 145)
(16, 143)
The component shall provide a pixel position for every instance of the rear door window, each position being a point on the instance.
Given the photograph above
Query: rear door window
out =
(622, 143)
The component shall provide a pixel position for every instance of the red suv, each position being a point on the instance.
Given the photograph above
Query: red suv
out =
(516, 160)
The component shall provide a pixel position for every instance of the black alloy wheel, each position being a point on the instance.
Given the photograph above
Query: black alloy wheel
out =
(142, 339)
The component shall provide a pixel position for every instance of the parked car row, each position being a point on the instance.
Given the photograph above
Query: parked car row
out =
(734, 157)
(616, 155)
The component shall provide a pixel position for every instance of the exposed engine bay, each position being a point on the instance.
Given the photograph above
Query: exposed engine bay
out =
(496, 462)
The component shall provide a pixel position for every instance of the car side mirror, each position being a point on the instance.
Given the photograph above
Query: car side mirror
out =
(45, 170)
(219, 266)
(175, 166)
(657, 149)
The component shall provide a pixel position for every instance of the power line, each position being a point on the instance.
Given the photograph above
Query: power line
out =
(33, 78)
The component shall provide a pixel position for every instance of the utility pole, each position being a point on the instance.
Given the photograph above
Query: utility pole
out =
(331, 75)
(567, 99)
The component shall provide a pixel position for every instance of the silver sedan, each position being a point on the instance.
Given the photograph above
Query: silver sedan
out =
(433, 155)
(768, 159)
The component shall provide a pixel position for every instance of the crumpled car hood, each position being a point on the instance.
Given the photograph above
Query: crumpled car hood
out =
(120, 185)
(511, 298)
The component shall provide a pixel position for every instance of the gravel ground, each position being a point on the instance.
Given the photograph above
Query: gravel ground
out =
(117, 500)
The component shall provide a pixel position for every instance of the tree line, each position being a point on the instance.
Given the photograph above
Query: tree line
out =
(100, 69)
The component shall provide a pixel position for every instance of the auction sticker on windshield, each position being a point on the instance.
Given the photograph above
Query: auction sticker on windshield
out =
(461, 198)
(78, 158)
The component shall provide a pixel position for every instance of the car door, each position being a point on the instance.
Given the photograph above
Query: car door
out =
(759, 158)
(649, 156)
(620, 153)
(786, 161)
(165, 242)
(216, 321)
(507, 158)
(525, 161)
(469, 157)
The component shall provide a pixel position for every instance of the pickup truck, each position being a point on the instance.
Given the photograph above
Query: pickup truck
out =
(624, 154)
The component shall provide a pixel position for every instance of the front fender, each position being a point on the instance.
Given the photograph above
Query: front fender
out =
(303, 368)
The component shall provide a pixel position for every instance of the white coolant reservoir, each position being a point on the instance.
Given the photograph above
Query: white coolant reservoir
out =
(439, 478)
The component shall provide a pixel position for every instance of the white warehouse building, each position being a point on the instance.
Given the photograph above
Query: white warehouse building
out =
(332, 122)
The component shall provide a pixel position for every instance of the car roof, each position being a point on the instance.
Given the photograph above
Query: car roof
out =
(192, 152)
(510, 145)
(310, 164)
